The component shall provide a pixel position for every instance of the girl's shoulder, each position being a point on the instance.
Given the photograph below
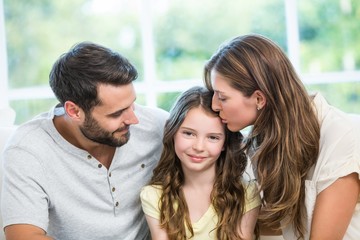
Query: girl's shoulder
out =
(150, 190)
(252, 195)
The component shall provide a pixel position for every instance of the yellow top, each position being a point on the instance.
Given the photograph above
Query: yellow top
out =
(203, 228)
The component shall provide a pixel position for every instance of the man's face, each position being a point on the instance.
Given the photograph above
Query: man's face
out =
(109, 122)
(92, 130)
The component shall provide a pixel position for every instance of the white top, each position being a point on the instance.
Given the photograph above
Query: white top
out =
(339, 156)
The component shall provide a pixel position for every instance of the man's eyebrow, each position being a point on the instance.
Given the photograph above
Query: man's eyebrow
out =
(119, 112)
(116, 113)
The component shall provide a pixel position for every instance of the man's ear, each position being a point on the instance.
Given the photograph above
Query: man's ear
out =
(73, 110)
(260, 99)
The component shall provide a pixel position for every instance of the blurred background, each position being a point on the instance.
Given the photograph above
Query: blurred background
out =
(170, 40)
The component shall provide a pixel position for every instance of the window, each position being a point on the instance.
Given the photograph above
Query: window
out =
(170, 40)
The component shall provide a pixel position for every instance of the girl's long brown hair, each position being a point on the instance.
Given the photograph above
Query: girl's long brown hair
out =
(228, 194)
(285, 136)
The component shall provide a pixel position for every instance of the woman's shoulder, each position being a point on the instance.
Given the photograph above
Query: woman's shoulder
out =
(333, 121)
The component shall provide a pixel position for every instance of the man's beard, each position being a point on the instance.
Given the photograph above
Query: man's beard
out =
(92, 130)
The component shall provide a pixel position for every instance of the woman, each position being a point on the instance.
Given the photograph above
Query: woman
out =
(305, 153)
(197, 190)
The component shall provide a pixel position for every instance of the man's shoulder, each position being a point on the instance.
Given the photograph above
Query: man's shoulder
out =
(31, 130)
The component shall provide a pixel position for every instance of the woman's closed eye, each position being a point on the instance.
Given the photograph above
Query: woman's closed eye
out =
(221, 98)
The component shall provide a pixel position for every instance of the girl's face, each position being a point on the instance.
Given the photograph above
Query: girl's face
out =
(199, 141)
(235, 110)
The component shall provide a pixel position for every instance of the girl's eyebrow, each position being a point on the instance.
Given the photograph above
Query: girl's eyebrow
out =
(187, 128)
(218, 134)
(194, 130)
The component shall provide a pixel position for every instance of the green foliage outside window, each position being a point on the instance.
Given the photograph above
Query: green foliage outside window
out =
(186, 34)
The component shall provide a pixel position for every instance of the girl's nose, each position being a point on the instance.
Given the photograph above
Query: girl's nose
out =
(198, 144)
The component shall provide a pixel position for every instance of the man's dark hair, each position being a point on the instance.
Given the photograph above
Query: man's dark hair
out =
(76, 75)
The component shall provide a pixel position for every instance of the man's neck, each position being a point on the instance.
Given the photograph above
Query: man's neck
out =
(103, 153)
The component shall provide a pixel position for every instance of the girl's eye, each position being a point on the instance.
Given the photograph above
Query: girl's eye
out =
(214, 138)
(187, 134)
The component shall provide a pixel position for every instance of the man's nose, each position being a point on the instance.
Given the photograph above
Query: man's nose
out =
(130, 116)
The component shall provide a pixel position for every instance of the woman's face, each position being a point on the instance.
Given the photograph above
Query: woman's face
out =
(235, 109)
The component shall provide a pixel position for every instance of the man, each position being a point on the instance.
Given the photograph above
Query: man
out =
(75, 172)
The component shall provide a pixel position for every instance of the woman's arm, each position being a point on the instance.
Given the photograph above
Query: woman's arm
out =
(248, 223)
(157, 233)
(334, 208)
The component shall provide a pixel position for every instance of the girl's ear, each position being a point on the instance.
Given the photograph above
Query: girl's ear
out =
(73, 110)
(260, 99)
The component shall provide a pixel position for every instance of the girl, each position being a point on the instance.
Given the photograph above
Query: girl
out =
(197, 190)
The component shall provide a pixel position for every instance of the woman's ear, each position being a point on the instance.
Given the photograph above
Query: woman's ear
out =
(73, 110)
(260, 99)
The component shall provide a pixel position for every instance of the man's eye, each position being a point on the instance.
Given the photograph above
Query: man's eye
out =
(116, 115)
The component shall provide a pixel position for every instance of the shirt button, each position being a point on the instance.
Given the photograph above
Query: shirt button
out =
(99, 166)
(113, 189)
(116, 204)
(109, 174)
(143, 165)
(89, 157)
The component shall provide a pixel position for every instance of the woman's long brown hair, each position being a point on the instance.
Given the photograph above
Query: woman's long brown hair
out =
(285, 137)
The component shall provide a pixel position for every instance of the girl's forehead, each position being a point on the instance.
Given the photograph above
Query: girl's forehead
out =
(198, 118)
